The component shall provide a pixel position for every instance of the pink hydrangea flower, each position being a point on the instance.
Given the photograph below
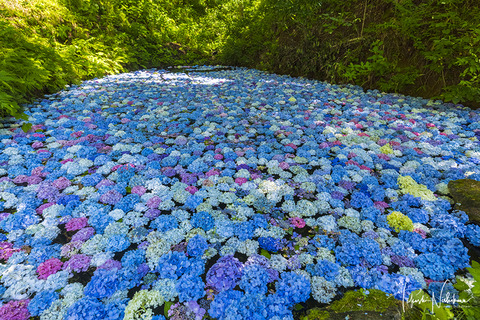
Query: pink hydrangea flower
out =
(283, 165)
(191, 189)
(76, 224)
(83, 234)
(381, 205)
(421, 232)
(218, 156)
(212, 172)
(111, 264)
(240, 181)
(20, 179)
(255, 176)
(297, 222)
(49, 267)
(70, 249)
(111, 197)
(6, 250)
(62, 183)
(37, 144)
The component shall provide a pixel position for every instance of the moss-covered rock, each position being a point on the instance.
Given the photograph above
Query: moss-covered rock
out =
(466, 194)
(359, 305)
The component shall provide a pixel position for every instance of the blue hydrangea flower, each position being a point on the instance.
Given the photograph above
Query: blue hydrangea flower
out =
(254, 280)
(473, 234)
(442, 292)
(86, 309)
(190, 287)
(293, 287)
(172, 265)
(270, 244)
(434, 267)
(202, 220)
(324, 268)
(41, 302)
(133, 258)
(196, 246)
(103, 284)
(117, 243)
(164, 223)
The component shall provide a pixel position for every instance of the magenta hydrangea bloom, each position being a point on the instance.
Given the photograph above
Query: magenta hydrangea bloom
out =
(77, 263)
(297, 222)
(37, 144)
(49, 267)
(15, 310)
(191, 189)
(240, 181)
(6, 250)
(76, 224)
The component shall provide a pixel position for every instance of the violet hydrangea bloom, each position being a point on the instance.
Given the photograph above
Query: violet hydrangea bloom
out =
(83, 234)
(77, 263)
(15, 310)
(225, 273)
(47, 191)
(111, 197)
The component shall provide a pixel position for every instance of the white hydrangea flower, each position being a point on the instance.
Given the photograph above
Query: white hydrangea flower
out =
(248, 247)
(323, 291)
(278, 262)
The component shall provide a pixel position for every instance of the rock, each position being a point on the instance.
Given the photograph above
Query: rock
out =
(466, 194)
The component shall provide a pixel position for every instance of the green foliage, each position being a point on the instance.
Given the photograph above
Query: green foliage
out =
(468, 300)
(316, 314)
(47, 44)
(421, 48)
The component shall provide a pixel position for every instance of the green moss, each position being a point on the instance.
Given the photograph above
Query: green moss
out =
(466, 195)
(375, 300)
(316, 314)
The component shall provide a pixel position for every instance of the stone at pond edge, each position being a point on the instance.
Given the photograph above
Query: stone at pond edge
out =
(466, 194)
(358, 305)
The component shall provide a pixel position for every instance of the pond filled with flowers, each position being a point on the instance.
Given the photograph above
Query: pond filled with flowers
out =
(229, 194)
